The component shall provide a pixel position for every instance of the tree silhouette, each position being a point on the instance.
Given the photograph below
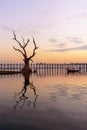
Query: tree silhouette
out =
(22, 50)
(21, 96)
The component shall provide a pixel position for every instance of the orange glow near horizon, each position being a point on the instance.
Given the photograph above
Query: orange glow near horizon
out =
(47, 57)
(8, 54)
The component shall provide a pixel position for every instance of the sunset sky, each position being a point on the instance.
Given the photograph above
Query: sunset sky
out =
(59, 28)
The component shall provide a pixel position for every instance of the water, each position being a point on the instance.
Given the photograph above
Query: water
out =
(43, 101)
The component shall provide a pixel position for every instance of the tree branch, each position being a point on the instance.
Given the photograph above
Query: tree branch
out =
(23, 40)
(34, 51)
(17, 40)
(19, 51)
(22, 46)
(26, 43)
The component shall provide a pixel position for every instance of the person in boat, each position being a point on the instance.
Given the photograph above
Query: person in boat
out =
(73, 70)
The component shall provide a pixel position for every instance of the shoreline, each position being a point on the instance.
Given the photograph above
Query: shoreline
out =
(10, 72)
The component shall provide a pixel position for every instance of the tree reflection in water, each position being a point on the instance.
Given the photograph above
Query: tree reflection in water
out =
(21, 96)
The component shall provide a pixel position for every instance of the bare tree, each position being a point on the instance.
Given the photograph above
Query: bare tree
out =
(22, 50)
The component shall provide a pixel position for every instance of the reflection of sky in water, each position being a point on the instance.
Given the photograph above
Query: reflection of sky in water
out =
(61, 103)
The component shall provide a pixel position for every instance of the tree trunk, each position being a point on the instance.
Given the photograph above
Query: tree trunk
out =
(26, 67)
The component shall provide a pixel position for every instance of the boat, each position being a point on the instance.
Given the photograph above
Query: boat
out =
(73, 70)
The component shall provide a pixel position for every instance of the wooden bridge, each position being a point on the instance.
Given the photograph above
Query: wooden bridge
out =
(44, 69)
(37, 66)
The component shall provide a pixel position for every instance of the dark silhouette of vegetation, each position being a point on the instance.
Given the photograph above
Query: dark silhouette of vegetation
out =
(21, 96)
(22, 50)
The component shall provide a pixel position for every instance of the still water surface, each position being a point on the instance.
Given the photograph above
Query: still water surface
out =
(43, 101)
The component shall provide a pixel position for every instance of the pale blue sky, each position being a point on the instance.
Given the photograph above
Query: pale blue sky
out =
(57, 25)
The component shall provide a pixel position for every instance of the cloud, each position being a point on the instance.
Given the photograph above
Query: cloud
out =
(84, 14)
(68, 40)
(74, 39)
(61, 45)
(69, 49)
(53, 40)
(6, 28)
(81, 16)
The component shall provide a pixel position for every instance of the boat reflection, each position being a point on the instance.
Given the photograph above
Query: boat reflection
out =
(21, 97)
(49, 73)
